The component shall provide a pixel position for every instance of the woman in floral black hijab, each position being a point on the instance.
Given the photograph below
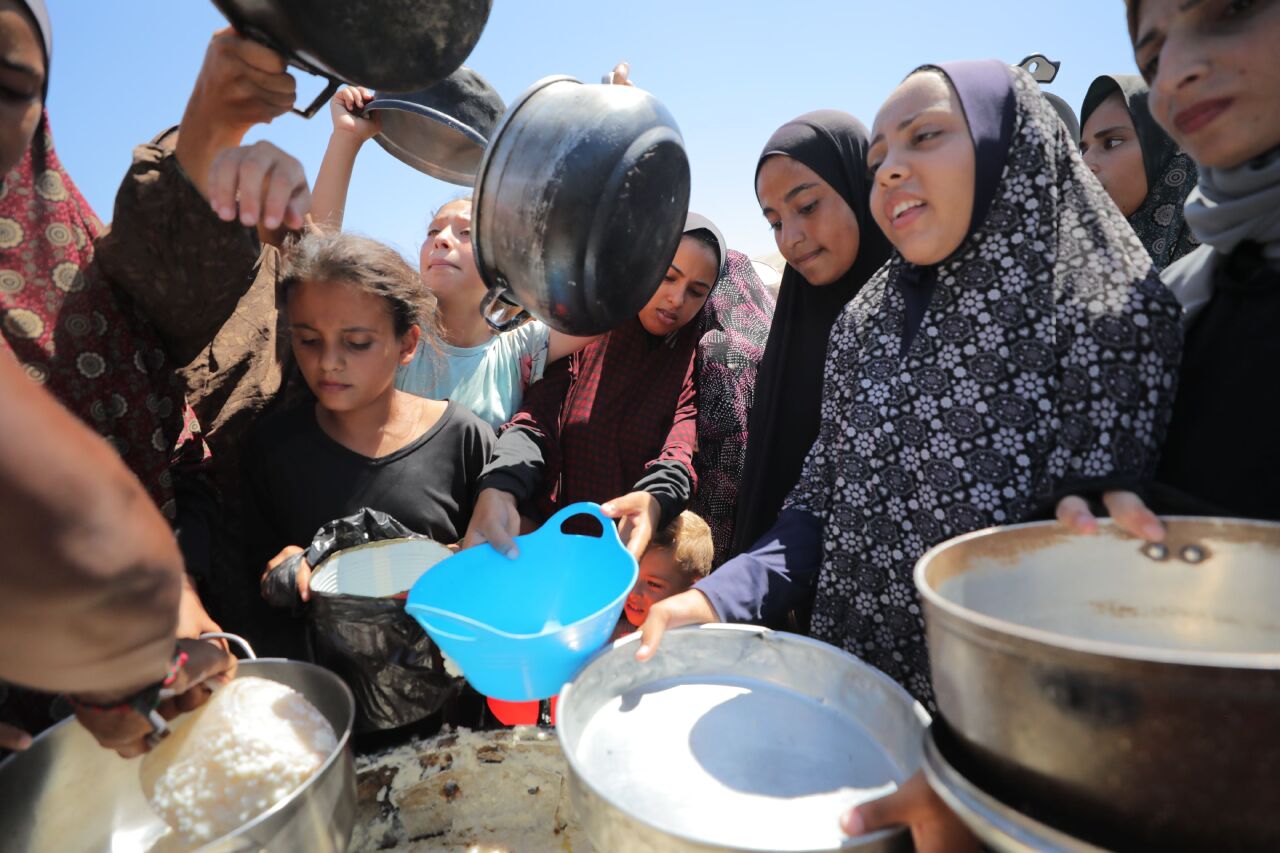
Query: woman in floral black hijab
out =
(1167, 174)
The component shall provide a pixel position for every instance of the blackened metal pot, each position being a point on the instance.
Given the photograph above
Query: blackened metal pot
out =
(579, 204)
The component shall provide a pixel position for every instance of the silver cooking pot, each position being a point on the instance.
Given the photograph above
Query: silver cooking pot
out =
(68, 794)
(579, 205)
(392, 45)
(1126, 693)
(734, 739)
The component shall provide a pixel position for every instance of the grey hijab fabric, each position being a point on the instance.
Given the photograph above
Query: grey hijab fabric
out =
(1227, 208)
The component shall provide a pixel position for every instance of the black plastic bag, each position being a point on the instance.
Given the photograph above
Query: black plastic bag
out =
(394, 669)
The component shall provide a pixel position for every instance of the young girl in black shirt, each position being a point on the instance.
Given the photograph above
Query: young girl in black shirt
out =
(356, 312)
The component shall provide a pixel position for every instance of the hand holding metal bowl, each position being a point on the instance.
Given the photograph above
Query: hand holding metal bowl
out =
(392, 45)
(579, 205)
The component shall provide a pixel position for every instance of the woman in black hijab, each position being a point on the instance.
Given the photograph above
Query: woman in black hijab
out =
(811, 181)
(1138, 164)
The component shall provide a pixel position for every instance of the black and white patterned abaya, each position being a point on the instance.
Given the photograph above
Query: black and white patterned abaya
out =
(1046, 359)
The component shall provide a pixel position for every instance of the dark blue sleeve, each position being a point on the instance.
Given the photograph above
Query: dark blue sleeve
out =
(777, 574)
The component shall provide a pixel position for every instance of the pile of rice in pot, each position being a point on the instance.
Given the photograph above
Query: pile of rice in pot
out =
(255, 742)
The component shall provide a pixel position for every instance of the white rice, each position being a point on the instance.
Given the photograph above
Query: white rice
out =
(255, 743)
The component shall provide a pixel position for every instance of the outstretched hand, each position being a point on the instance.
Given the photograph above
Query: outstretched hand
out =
(126, 730)
(690, 607)
(637, 514)
(259, 184)
(496, 520)
(347, 109)
(1126, 508)
(934, 827)
(620, 75)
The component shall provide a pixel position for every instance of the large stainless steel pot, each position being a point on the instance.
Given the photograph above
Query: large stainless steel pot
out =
(68, 794)
(392, 45)
(579, 204)
(1126, 693)
(734, 738)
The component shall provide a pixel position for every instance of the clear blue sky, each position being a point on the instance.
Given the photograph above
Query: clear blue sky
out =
(730, 71)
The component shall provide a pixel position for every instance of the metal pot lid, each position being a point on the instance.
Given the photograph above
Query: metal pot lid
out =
(1000, 827)
(442, 130)
(740, 738)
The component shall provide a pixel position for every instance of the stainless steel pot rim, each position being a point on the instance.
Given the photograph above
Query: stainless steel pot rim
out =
(476, 209)
(993, 821)
(391, 103)
(572, 759)
(1084, 645)
(411, 157)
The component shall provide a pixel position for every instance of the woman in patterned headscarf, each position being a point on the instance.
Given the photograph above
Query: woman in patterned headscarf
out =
(1015, 345)
(734, 330)
(1138, 164)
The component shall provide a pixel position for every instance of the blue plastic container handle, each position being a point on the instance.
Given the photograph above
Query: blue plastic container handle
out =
(609, 538)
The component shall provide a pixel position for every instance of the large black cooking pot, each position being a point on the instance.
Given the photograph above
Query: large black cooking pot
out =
(579, 205)
(388, 45)
(1125, 693)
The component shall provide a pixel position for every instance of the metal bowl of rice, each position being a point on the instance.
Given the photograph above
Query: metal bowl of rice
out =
(66, 793)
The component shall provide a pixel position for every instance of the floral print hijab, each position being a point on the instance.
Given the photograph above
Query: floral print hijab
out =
(1045, 361)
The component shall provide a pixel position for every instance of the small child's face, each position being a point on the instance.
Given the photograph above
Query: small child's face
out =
(345, 343)
(660, 578)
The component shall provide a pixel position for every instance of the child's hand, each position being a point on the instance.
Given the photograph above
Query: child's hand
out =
(620, 75)
(934, 827)
(303, 574)
(261, 184)
(496, 520)
(345, 109)
(690, 607)
(639, 514)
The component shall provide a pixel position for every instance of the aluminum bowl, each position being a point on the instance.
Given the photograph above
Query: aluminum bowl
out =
(68, 794)
(734, 738)
(1125, 693)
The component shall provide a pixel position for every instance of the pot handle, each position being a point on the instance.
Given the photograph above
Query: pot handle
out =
(330, 90)
(496, 307)
(1045, 69)
(609, 529)
(234, 639)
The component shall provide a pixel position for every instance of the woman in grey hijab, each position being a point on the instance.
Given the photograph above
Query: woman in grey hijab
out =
(1215, 87)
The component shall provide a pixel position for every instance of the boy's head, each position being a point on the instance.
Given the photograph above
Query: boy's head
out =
(678, 555)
